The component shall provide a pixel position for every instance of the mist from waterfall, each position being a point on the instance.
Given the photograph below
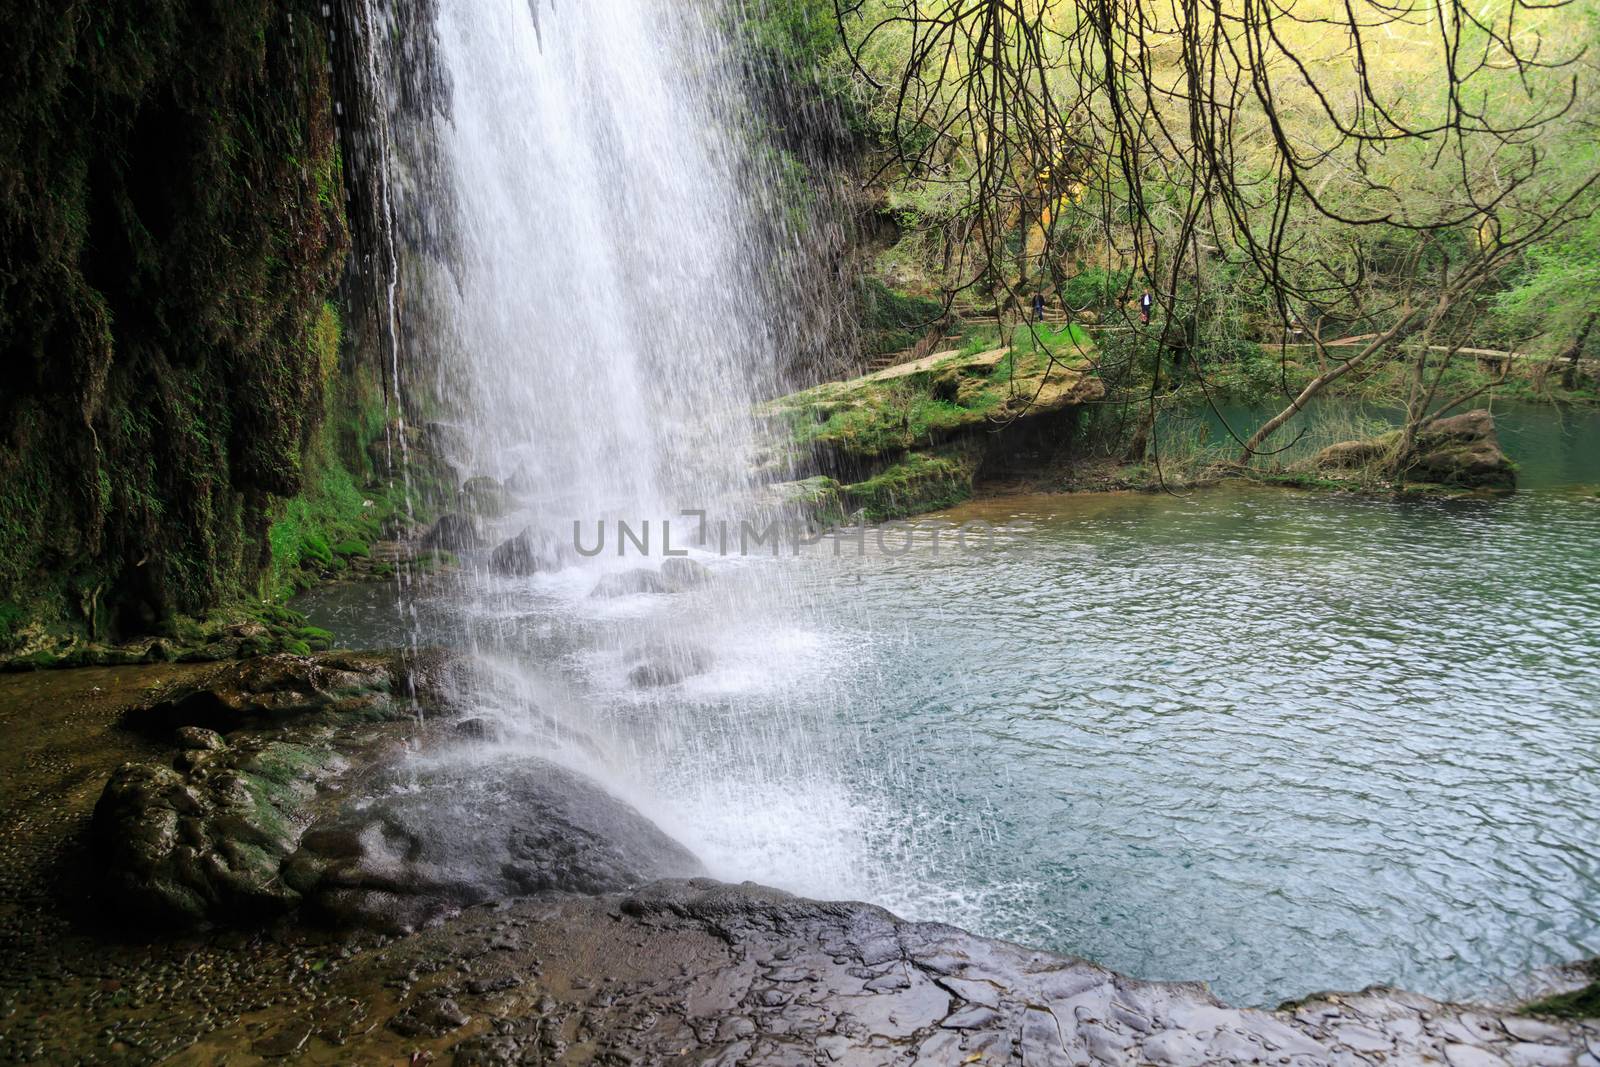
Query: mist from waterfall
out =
(601, 251)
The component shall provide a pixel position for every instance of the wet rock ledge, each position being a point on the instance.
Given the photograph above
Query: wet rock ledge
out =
(509, 911)
(697, 972)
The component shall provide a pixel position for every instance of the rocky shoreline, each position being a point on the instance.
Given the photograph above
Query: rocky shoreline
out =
(314, 867)
(698, 972)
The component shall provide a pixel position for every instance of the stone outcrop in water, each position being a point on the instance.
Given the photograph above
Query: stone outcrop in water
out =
(1459, 452)
(685, 573)
(453, 533)
(676, 574)
(665, 663)
(531, 552)
(632, 583)
(914, 437)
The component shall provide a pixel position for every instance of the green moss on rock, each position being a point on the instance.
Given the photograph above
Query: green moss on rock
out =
(170, 230)
(913, 437)
(1452, 455)
(921, 482)
(1577, 1004)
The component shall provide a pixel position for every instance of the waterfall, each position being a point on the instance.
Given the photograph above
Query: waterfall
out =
(610, 309)
(600, 250)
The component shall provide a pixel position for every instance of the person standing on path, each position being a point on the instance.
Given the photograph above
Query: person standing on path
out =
(1145, 303)
(1038, 307)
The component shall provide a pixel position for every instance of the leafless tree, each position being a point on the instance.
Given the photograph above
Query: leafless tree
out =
(1179, 127)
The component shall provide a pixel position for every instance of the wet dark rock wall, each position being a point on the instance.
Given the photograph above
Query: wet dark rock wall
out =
(172, 228)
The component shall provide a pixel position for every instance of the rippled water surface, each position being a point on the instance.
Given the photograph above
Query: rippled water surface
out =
(1279, 741)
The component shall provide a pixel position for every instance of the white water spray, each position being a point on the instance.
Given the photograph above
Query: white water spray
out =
(600, 260)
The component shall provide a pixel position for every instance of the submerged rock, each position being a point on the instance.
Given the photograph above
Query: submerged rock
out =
(484, 496)
(531, 552)
(453, 533)
(521, 481)
(444, 838)
(677, 573)
(632, 583)
(664, 664)
(477, 729)
(1461, 452)
(684, 572)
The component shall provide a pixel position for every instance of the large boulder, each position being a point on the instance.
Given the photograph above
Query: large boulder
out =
(439, 838)
(206, 838)
(316, 797)
(1464, 451)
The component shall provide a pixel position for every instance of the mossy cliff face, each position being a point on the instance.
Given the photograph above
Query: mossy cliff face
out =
(171, 228)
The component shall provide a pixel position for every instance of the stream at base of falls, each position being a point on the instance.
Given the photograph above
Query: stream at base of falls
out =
(1275, 740)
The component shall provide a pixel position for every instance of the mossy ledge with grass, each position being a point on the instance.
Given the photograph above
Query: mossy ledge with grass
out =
(1030, 415)
(917, 437)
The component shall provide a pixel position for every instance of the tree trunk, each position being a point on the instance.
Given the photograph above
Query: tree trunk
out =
(1399, 331)
(1141, 436)
(1574, 352)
